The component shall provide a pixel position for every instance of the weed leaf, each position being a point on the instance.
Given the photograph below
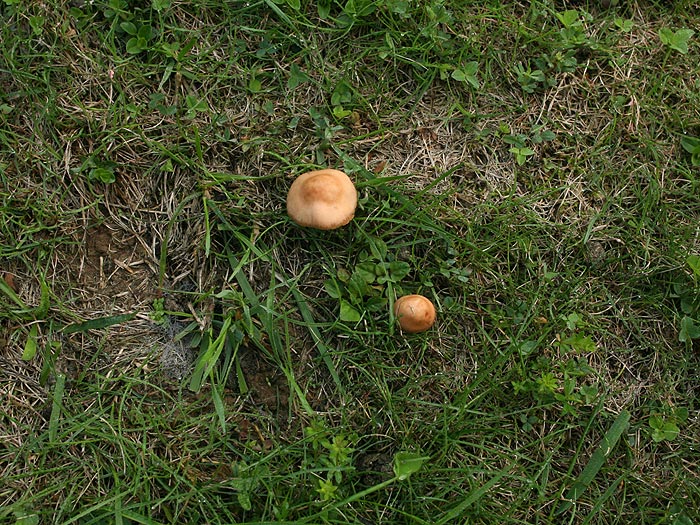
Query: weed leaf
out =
(348, 313)
(407, 463)
(691, 144)
(129, 28)
(160, 5)
(693, 261)
(624, 25)
(580, 342)
(324, 9)
(23, 517)
(296, 77)
(467, 74)
(30, 345)
(569, 18)
(663, 430)
(677, 40)
(689, 329)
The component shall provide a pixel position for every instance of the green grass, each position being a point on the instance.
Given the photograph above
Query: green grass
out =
(174, 350)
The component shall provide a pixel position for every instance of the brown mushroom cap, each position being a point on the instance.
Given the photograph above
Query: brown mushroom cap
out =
(415, 313)
(323, 199)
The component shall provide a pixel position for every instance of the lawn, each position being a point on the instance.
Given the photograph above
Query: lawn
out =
(174, 349)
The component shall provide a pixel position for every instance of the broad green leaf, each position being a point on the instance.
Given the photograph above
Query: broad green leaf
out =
(693, 261)
(392, 272)
(31, 345)
(340, 113)
(348, 313)
(254, 85)
(195, 104)
(690, 144)
(378, 248)
(332, 288)
(145, 32)
(681, 413)
(244, 500)
(133, 46)
(580, 342)
(547, 135)
(342, 94)
(358, 288)
(105, 175)
(464, 75)
(677, 40)
(663, 430)
(367, 271)
(296, 77)
(376, 304)
(689, 329)
(37, 24)
(400, 7)
(160, 5)
(398, 270)
(624, 25)
(569, 18)
(26, 518)
(525, 348)
(324, 9)
(521, 154)
(129, 28)
(407, 463)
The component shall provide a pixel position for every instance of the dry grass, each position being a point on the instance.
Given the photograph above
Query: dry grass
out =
(597, 222)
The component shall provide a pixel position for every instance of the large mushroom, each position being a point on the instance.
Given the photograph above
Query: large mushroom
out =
(322, 199)
(415, 313)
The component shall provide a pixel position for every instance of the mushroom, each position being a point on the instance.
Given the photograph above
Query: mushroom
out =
(415, 313)
(323, 199)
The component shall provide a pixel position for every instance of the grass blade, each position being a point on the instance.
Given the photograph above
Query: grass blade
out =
(56, 406)
(264, 314)
(219, 405)
(207, 361)
(5, 288)
(602, 499)
(588, 474)
(99, 323)
(320, 345)
(163, 258)
(281, 350)
(458, 510)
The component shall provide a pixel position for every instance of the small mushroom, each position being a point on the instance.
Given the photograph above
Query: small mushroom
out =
(323, 199)
(415, 313)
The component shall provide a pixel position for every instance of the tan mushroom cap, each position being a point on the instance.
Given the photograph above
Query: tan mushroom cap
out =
(323, 199)
(415, 313)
